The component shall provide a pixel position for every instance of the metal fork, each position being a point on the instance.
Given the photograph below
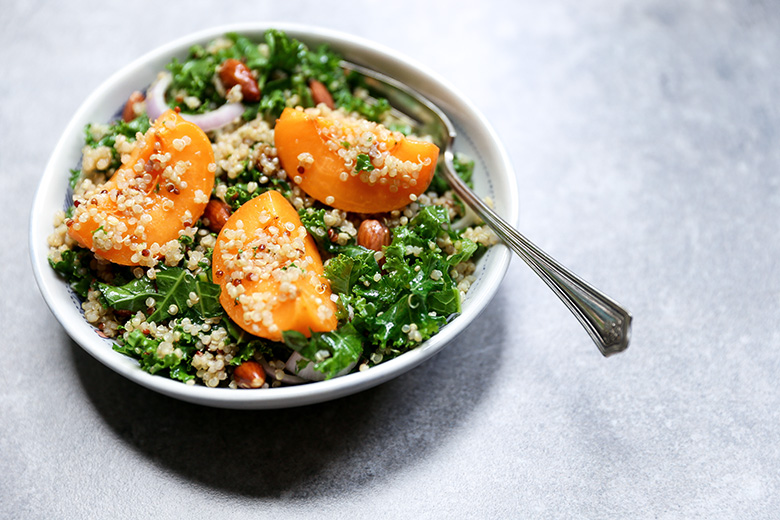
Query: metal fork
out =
(606, 321)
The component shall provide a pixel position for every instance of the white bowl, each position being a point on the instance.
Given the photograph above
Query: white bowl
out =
(493, 176)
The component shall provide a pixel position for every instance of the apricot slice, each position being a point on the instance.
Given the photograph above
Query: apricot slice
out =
(270, 271)
(137, 215)
(350, 163)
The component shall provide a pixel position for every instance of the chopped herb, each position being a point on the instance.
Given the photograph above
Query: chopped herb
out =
(363, 163)
(129, 129)
(75, 175)
(332, 352)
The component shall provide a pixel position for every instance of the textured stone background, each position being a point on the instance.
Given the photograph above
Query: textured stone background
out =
(645, 138)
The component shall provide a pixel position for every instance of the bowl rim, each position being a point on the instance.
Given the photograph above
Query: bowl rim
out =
(51, 285)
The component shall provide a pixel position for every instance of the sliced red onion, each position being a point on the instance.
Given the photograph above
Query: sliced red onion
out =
(286, 379)
(308, 372)
(156, 105)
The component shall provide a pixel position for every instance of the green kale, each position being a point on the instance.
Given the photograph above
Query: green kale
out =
(284, 53)
(129, 129)
(195, 76)
(248, 345)
(363, 163)
(74, 267)
(175, 285)
(464, 167)
(282, 71)
(171, 287)
(131, 296)
(238, 194)
(411, 296)
(331, 352)
(372, 110)
(400, 127)
(75, 175)
(246, 50)
(314, 222)
(144, 349)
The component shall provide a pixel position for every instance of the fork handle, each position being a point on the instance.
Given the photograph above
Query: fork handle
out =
(607, 323)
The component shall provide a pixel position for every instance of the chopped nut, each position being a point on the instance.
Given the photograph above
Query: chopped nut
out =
(217, 213)
(373, 235)
(129, 112)
(233, 72)
(249, 374)
(320, 94)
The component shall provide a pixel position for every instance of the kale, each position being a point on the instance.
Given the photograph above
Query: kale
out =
(411, 296)
(363, 163)
(284, 53)
(331, 352)
(144, 349)
(128, 129)
(247, 344)
(238, 194)
(175, 285)
(464, 167)
(131, 296)
(246, 50)
(75, 175)
(314, 222)
(74, 267)
(282, 73)
(373, 111)
(195, 76)
(400, 127)
(171, 287)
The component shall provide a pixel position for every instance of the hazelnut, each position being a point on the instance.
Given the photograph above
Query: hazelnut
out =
(249, 374)
(320, 94)
(233, 72)
(217, 213)
(372, 234)
(129, 112)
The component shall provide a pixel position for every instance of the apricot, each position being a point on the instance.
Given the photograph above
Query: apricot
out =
(352, 164)
(163, 188)
(270, 271)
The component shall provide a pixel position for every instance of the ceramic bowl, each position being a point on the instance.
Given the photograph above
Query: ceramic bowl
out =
(493, 177)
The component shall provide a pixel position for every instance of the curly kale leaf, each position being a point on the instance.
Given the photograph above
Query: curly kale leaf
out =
(464, 167)
(410, 297)
(314, 222)
(282, 69)
(331, 352)
(194, 77)
(144, 349)
(172, 287)
(74, 267)
(131, 296)
(108, 138)
(238, 194)
(75, 175)
(247, 344)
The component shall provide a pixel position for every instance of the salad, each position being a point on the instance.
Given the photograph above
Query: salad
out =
(255, 218)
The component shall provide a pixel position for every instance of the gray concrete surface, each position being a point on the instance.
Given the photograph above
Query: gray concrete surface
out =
(645, 138)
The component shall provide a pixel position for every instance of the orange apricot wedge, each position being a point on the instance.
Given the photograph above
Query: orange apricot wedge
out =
(270, 271)
(137, 215)
(350, 163)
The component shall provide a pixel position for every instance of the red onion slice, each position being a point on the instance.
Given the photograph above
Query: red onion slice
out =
(286, 379)
(308, 372)
(156, 105)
